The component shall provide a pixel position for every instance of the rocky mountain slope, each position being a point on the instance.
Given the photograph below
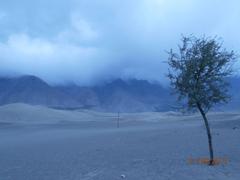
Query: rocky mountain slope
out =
(115, 96)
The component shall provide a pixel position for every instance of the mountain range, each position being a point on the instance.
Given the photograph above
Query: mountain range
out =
(114, 96)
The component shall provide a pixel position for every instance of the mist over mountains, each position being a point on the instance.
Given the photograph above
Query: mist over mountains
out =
(114, 96)
(118, 95)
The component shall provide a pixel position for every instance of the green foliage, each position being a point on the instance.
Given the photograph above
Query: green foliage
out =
(198, 72)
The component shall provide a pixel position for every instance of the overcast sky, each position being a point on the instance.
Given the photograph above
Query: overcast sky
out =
(87, 41)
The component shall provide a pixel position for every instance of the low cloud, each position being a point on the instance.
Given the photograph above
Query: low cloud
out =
(86, 42)
(53, 61)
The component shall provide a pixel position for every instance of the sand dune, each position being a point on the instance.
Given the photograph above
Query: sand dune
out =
(87, 145)
(24, 113)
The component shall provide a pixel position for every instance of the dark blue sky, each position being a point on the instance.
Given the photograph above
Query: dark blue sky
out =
(86, 41)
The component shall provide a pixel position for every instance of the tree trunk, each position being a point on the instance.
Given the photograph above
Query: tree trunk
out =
(208, 134)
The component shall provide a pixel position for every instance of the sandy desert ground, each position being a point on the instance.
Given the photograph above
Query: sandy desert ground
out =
(38, 143)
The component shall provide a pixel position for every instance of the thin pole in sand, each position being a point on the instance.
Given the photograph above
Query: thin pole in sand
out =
(118, 117)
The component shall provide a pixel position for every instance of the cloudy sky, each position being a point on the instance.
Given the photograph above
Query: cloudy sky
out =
(87, 41)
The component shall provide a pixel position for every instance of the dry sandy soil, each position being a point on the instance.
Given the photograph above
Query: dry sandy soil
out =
(38, 143)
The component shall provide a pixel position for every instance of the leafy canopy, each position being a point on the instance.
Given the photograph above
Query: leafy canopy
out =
(198, 72)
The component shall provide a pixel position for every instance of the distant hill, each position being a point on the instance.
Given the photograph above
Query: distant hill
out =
(117, 95)
(122, 96)
(134, 95)
(32, 90)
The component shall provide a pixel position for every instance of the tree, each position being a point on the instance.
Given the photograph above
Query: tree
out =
(198, 74)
